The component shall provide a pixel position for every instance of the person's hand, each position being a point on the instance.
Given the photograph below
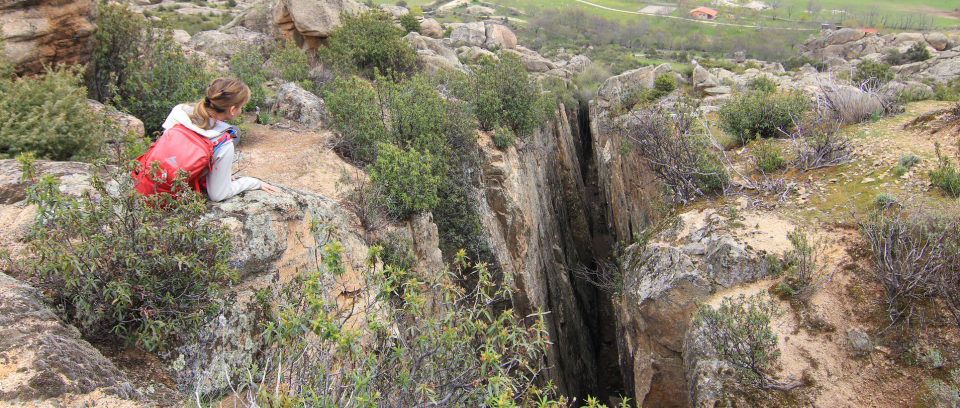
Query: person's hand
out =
(268, 188)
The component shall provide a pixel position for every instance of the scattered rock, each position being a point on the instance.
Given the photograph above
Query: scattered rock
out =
(431, 28)
(297, 104)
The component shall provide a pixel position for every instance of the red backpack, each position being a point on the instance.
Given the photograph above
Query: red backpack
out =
(179, 148)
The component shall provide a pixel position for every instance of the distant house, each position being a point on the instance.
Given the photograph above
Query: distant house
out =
(868, 30)
(703, 13)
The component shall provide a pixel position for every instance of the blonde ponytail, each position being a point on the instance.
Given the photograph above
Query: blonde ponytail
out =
(222, 94)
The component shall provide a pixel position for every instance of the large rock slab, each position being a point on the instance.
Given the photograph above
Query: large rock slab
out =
(614, 89)
(300, 105)
(469, 34)
(938, 41)
(38, 33)
(308, 21)
(223, 45)
(41, 358)
(498, 35)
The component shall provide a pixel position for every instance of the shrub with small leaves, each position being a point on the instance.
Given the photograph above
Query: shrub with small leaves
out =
(664, 83)
(908, 160)
(943, 393)
(750, 115)
(871, 75)
(762, 84)
(290, 64)
(247, 67)
(503, 138)
(945, 176)
(884, 200)
(739, 329)
(899, 171)
(408, 177)
(144, 269)
(367, 43)
(410, 23)
(767, 156)
(502, 92)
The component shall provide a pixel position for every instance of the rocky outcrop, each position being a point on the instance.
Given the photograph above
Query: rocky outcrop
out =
(614, 89)
(850, 44)
(38, 33)
(431, 28)
(534, 215)
(662, 283)
(125, 123)
(310, 22)
(224, 44)
(41, 358)
(702, 78)
(434, 55)
(300, 105)
(486, 34)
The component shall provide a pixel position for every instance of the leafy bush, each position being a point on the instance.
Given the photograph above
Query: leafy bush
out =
(945, 176)
(503, 138)
(739, 329)
(916, 53)
(290, 63)
(410, 23)
(369, 42)
(142, 70)
(803, 260)
(750, 115)
(357, 117)
(871, 75)
(408, 177)
(141, 268)
(248, 67)
(401, 341)
(949, 91)
(48, 116)
(664, 83)
(795, 63)
(502, 92)
(899, 171)
(762, 84)
(766, 156)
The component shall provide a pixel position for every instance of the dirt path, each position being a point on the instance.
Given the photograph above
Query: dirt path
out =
(290, 156)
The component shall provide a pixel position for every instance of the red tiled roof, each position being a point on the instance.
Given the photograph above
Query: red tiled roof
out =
(704, 10)
(867, 30)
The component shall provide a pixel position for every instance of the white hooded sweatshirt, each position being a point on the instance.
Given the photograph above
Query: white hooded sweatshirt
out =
(219, 185)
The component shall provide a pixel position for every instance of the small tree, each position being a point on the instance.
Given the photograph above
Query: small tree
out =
(739, 330)
(368, 43)
(503, 93)
(410, 23)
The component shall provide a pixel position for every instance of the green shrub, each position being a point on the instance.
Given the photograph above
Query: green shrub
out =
(144, 269)
(795, 63)
(408, 177)
(502, 92)
(884, 200)
(899, 171)
(803, 259)
(908, 160)
(945, 176)
(748, 116)
(369, 42)
(47, 115)
(739, 329)
(949, 91)
(247, 66)
(410, 23)
(118, 41)
(231, 3)
(916, 53)
(664, 84)
(871, 75)
(763, 84)
(401, 3)
(503, 138)
(943, 393)
(290, 63)
(766, 156)
(417, 11)
(357, 116)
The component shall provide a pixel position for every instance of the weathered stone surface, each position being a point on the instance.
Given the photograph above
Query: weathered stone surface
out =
(578, 64)
(843, 36)
(41, 358)
(615, 88)
(181, 37)
(703, 78)
(905, 39)
(943, 70)
(474, 54)
(223, 45)
(36, 33)
(431, 28)
(125, 123)
(470, 34)
(395, 11)
(307, 21)
(703, 367)
(535, 217)
(297, 104)
(499, 35)
(531, 60)
(662, 284)
(938, 41)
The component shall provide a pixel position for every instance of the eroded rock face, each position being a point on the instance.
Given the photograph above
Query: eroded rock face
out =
(310, 22)
(486, 34)
(41, 358)
(662, 283)
(432, 54)
(297, 104)
(47, 32)
(614, 89)
(534, 216)
(223, 45)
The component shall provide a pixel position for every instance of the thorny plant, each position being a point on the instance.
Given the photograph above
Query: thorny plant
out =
(349, 335)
